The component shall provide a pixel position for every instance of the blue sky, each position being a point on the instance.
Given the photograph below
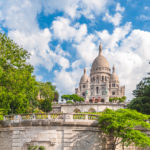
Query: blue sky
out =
(63, 37)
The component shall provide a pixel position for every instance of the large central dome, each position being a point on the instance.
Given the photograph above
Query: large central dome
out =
(100, 62)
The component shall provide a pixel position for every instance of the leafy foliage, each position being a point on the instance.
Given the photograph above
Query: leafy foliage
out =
(46, 90)
(32, 147)
(73, 97)
(46, 105)
(70, 102)
(117, 99)
(17, 84)
(141, 102)
(121, 125)
(18, 87)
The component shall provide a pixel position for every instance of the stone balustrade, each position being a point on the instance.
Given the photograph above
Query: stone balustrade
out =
(65, 117)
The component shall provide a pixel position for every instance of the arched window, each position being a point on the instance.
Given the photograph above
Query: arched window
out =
(91, 110)
(76, 110)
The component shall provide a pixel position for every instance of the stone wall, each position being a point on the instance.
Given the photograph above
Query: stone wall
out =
(64, 133)
(54, 135)
(98, 107)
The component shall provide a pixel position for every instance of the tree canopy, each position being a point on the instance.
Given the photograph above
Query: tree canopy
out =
(17, 84)
(122, 126)
(18, 87)
(73, 97)
(117, 99)
(47, 93)
(141, 102)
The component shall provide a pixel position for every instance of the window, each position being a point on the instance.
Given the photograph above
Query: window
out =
(113, 85)
(83, 94)
(97, 89)
(103, 88)
(102, 100)
(102, 78)
(103, 92)
(83, 86)
(113, 93)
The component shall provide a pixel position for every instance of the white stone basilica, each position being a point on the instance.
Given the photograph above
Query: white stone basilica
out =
(102, 84)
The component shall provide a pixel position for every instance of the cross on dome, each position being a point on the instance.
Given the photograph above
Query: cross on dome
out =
(84, 70)
(113, 68)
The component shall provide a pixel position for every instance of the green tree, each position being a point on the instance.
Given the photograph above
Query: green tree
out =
(117, 99)
(73, 97)
(17, 84)
(46, 90)
(47, 93)
(46, 105)
(141, 102)
(122, 125)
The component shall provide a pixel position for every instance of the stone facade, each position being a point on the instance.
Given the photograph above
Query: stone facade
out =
(102, 84)
(94, 107)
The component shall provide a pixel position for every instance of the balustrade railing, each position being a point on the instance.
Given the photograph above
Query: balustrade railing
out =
(51, 116)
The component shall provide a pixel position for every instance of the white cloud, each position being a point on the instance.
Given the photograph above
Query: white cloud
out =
(76, 8)
(116, 18)
(111, 41)
(20, 15)
(37, 45)
(94, 7)
(119, 8)
(87, 49)
(64, 31)
(60, 51)
(67, 81)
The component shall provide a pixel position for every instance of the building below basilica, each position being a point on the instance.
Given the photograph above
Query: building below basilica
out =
(102, 83)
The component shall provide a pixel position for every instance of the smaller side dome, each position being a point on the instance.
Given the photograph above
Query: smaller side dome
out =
(84, 77)
(114, 76)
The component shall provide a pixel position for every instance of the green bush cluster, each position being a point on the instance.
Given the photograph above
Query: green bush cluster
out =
(117, 99)
(73, 98)
(32, 147)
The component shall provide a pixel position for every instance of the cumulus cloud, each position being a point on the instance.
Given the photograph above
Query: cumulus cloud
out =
(87, 49)
(76, 8)
(63, 30)
(66, 81)
(20, 15)
(111, 41)
(37, 45)
(116, 18)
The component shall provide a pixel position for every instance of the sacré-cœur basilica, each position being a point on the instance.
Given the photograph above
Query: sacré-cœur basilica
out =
(102, 82)
(96, 89)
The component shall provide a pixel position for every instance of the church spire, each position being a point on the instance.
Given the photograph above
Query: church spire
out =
(84, 70)
(113, 69)
(100, 49)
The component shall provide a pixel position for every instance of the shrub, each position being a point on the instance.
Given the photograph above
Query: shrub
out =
(41, 148)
